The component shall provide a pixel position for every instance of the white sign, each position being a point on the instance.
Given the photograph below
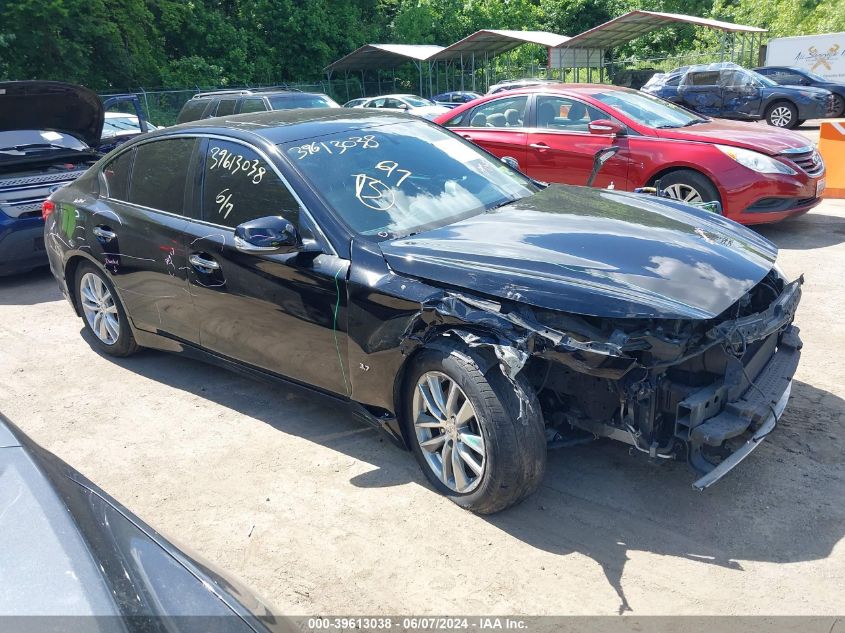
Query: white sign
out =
(821, 54)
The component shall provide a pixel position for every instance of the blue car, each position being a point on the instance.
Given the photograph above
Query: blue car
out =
(729, 91)
(454, 99)
(48, 135)
(792, 76)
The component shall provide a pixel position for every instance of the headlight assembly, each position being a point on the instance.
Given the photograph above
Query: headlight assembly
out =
(756, 161)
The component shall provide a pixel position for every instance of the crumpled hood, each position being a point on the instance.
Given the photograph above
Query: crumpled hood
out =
(593, 252)
(51, 105)
(754, 136)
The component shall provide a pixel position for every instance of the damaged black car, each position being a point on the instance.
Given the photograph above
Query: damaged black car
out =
(475, 315)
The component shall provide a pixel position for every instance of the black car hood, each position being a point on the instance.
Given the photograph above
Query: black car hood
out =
(51, 105)
(593, 252)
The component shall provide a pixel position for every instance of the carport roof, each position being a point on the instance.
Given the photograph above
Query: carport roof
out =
(372, 56)
(495, 42)
(632, 25)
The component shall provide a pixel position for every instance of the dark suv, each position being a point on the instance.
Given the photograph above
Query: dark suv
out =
(225, 102)
(48, 135)
(732, 92)
(792, 76)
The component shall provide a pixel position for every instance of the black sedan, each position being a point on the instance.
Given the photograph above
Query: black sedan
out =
(475, 315)
(792, 76)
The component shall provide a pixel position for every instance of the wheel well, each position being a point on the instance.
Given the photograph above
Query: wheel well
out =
(772, 105)
(70, 278)
(670, 170)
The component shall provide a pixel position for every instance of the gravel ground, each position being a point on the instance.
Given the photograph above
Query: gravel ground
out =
(321, 515)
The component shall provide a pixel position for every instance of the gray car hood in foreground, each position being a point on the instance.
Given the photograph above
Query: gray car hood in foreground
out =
(593, 252)
(51, 105)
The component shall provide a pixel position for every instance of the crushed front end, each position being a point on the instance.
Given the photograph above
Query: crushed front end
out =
(705, 391)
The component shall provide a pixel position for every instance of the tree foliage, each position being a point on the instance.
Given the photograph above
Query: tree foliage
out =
(109, 44)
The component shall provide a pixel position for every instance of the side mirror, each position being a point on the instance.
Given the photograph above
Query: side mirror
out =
(606, 126)
(267, 235)
(510, 161)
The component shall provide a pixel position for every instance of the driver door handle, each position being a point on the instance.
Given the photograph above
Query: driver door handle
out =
(104, 233)
(539, 146)
(198, 261)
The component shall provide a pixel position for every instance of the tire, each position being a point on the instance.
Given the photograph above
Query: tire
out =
(838, 107)
(691, 186)
(800, 122)
(782, 114)
(512, 460)
(95, 295)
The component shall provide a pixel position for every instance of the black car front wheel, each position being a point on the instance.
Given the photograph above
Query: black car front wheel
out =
(782, 114)
(103, 313)
(478, 438)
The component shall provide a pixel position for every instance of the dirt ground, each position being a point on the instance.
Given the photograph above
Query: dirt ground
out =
(321, 515)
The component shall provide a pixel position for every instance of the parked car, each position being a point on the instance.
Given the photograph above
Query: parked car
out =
(452, 99)
(516, 84)
(227, 102)
(49, 132)
(354, 103)
(412, 104)
(793, 76)
(397, 269)
(758, 174)
(71, 550)
(729, 91)
(119, 126)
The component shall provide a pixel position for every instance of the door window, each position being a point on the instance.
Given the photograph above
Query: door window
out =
(500, 113)
(239, 186)
(226, 107)
(253, 105)
(376, 103)
(159, 174)
(565, 114)
(116, 173)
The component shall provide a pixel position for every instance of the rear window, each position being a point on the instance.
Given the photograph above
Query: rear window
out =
(703, 79)
(159, 174)
(192, 111)
(253, 105)
(116, 173)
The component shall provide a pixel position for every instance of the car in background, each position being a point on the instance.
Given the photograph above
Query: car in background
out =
(71, 550)
(420, 283)
(354, 103)
(121, 126)
(453, 99)
(729, 91)
(412, 104)
(515, 84)
(757, 174)
(49, 133)
(792, 76)
(227, 102)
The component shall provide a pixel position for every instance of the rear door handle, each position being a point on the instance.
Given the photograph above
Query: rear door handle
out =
(202, 264)
(540, 146)
(103, 233)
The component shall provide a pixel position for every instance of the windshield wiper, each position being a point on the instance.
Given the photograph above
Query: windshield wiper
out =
(26, 146)
(694, 122)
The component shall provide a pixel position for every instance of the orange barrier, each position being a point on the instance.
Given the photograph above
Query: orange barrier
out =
(832, 149)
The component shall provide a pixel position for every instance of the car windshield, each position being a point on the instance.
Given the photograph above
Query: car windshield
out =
(399, 179)
(417, 102)
(116, 125)
(648, 110)
(286, 102)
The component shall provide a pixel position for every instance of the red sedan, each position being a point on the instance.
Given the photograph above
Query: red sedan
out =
(758, 173)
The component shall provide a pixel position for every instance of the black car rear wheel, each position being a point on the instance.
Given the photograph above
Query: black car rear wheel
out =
(102, 312)
(782, 114)
(478, 438)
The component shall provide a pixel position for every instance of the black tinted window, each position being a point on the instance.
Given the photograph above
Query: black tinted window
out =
(192, 110)
(116, 173)
(158, 176)
(226, 107)
(253, 105)
(240, 186)
(703, 79)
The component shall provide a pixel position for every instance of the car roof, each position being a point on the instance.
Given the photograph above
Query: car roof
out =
(584, 89)
(283, 126)
(253, 93)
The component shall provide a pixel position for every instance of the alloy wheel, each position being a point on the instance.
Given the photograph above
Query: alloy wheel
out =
(448, 432)
(781, 116)
(684, 193)
(100, 308)
(837, 106)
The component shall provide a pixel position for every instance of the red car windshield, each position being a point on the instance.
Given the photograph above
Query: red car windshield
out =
(648, 110)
